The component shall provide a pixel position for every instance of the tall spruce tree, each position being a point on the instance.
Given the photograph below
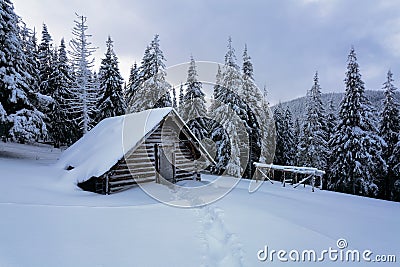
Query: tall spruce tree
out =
(133, 84)
(153, 89)
(217, 132)
(257, 117)
(181, 95)
(395, 158)
(279, 118)
(389, 131)
(297, 140)
(356, 161)
(331, 122)
(230, 112)
(289, 145)
(19, 118)
(83, 103)
(268, 132)
(111, 101)
(45, 57)
(314, 141)
(193, 109)
(174, 100)
(29, 47)
(285, 152)
(63, 130)
(42, 102)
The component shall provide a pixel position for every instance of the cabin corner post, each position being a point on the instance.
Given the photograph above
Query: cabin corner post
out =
(196, 171)
(157, 162)
(107, 185)
(174, 165)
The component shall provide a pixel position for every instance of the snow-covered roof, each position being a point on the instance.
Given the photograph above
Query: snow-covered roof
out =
(105, 144)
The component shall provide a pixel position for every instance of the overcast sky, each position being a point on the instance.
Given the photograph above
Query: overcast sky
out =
(287, 40)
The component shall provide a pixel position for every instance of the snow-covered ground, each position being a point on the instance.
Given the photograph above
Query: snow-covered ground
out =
(46, 221)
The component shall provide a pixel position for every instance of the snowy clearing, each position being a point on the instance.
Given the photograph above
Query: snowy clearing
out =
(46, 222)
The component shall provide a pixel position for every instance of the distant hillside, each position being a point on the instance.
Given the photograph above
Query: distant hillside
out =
(298, 106)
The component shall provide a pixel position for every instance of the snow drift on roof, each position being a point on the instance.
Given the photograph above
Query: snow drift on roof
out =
(105, 144)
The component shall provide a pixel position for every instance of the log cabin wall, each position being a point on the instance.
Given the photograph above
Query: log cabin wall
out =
(140, 165)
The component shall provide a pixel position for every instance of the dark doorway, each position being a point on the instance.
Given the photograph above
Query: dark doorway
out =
(165, 158)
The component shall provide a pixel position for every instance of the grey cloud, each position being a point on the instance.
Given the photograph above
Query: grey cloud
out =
(287, 40)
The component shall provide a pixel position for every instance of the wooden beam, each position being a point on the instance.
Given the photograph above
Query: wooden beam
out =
(266, 176)
(303, 180)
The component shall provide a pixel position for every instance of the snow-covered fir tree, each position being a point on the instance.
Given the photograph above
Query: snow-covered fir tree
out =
(267, 130)
(217, 132)
(95, 80)
(20, 119)
(314, 140)
(257, 116)
(45, 57)
(181, 96)
(111, 102)
(389, 131)
(63, 130)
(331, 122)
(133, 84)
(41, 101)
(297, 139)
(356, 161)
(174, 100)
(153, 89)
(301, 148)
(193, 109)
(279, 117)
(83, 104)
(285, 152)
(3, 123)
(29, 46)
(230, 112)
(217, 85)
(289, 145)
(395, 158)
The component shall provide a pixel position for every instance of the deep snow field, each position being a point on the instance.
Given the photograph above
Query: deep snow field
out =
(47, 221)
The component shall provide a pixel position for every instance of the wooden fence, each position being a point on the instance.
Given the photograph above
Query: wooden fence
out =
(267, 172)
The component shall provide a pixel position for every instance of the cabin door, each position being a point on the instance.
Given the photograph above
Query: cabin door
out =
(165, 156)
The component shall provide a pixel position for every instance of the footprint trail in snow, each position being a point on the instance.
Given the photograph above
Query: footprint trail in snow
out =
(221, 247)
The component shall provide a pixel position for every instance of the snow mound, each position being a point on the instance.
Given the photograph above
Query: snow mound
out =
(105, 144)
(42, 153)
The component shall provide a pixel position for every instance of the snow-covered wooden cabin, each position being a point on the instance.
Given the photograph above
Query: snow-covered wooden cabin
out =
(152, 145)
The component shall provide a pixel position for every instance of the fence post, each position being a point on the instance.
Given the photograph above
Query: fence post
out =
(257, 174)
(284, 179)
(312, 182)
